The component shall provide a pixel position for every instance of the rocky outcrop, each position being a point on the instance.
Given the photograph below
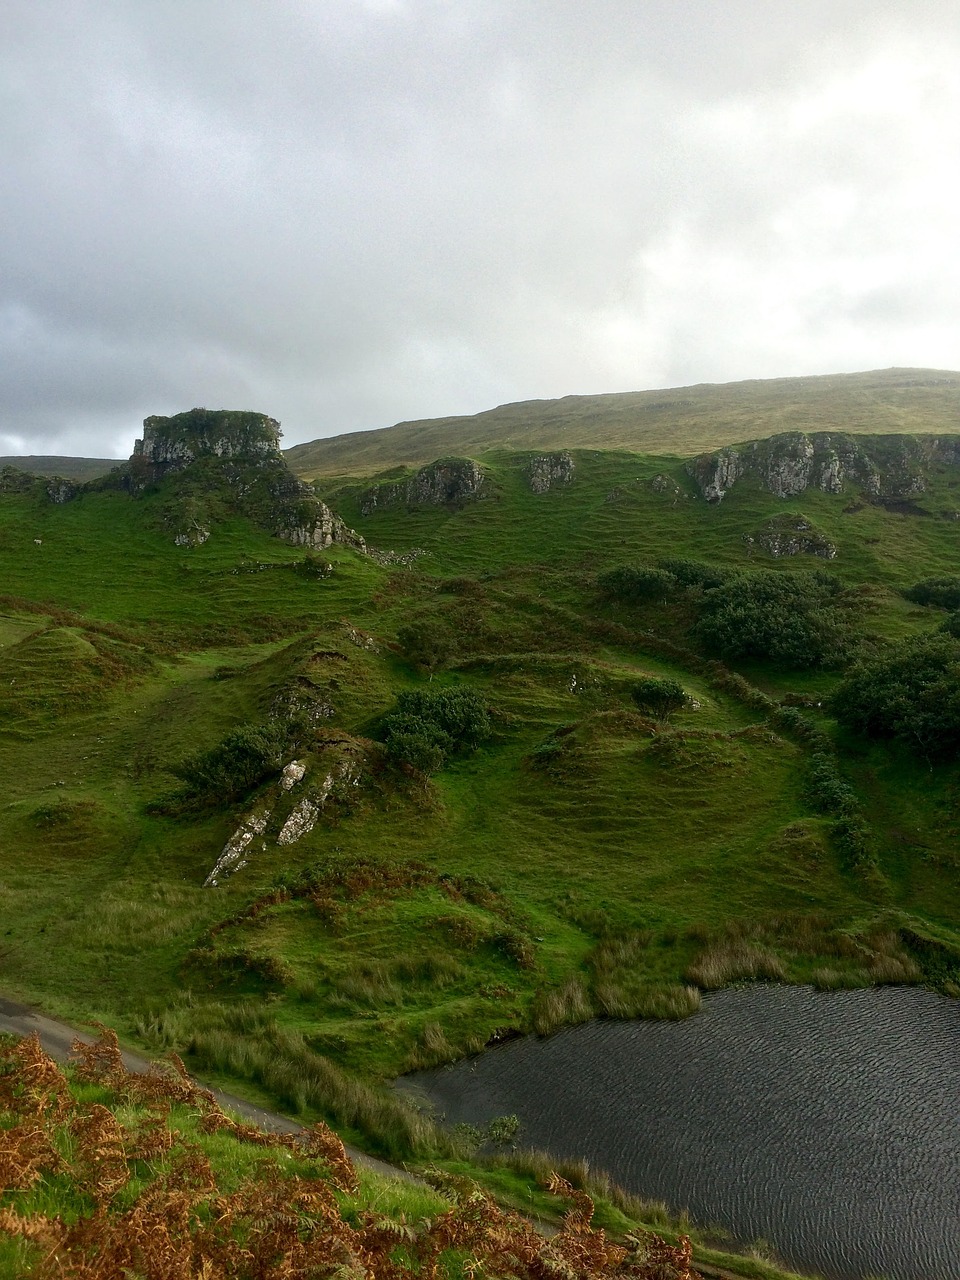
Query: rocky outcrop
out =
(54, 488)
(320, 527)
(792, 535)
(882, 468)
(548, 470)
(60, 490)
(449, 482)
(715, 473)
(293, 805)
(212, 462)
(667, 486)
(174, 443)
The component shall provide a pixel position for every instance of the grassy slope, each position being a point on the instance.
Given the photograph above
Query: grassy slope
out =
(69, 468)
(120, 653)
(679, 420)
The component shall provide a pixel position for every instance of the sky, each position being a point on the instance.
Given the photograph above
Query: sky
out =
(349, 213)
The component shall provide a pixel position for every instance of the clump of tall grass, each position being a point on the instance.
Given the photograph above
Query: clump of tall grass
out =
(308, 1082)
(620, 990)
(735, 960)
(369, 983)
(556, 1007)
(432, 1049)
(244, 1040)
(664, 1000)
(537, 1166)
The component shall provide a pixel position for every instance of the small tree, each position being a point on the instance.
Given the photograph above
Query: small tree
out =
(428, 645)
(658, 697)
(943, 593)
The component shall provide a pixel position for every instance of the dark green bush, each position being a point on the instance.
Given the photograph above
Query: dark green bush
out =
(657, 696)
(430, 726)
(944, 593)
(232, 768)
(635, 585)
(793, 620)
(911, 694)
(693, 573)
(428, 643)
(826, 791)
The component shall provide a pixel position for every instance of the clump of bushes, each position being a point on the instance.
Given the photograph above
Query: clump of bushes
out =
(793, 620)
(693, 573)
(943, 593)
(427, 643)
(826, 791)
(657, 696)
(630, 585)
(911, 694)
(230, 770)
(429, 727)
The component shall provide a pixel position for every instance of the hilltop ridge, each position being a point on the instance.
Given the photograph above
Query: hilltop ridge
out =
(679, 421)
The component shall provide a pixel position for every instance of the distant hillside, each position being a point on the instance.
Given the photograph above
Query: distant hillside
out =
(69, 468)
(682, 421)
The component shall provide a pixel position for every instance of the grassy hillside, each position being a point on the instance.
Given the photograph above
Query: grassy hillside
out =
(680, 421)
(53, 465)
(591, 855)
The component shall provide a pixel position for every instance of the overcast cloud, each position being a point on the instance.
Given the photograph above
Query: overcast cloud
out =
(346, 213)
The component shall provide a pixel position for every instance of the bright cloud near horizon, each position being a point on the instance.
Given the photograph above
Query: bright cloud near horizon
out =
(353, 213)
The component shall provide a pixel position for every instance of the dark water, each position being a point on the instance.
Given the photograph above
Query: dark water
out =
(826, 1123)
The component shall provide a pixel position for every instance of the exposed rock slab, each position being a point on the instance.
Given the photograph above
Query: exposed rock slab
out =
(231, 457)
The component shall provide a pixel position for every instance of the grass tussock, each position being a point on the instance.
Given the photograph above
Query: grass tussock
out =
(561, 1006)
(735, 961)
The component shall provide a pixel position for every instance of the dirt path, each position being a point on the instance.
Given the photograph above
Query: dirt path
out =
(57, 1037)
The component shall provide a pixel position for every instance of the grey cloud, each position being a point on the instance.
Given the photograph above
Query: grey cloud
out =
(352, 213)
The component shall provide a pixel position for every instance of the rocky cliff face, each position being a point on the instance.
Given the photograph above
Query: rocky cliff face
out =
(549, 470)
(450, 482)
(210, 461)
(884, 468)
(170, 444)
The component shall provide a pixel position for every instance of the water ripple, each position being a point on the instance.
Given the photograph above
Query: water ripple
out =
(823, 1122)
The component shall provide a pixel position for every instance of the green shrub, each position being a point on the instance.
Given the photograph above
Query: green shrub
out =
(911, 694)
(428, 727)
(944, 593)
(792, 620)
(231, 769)
(693, 573)
(427, 644)
(657, 696)
(825, 789)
